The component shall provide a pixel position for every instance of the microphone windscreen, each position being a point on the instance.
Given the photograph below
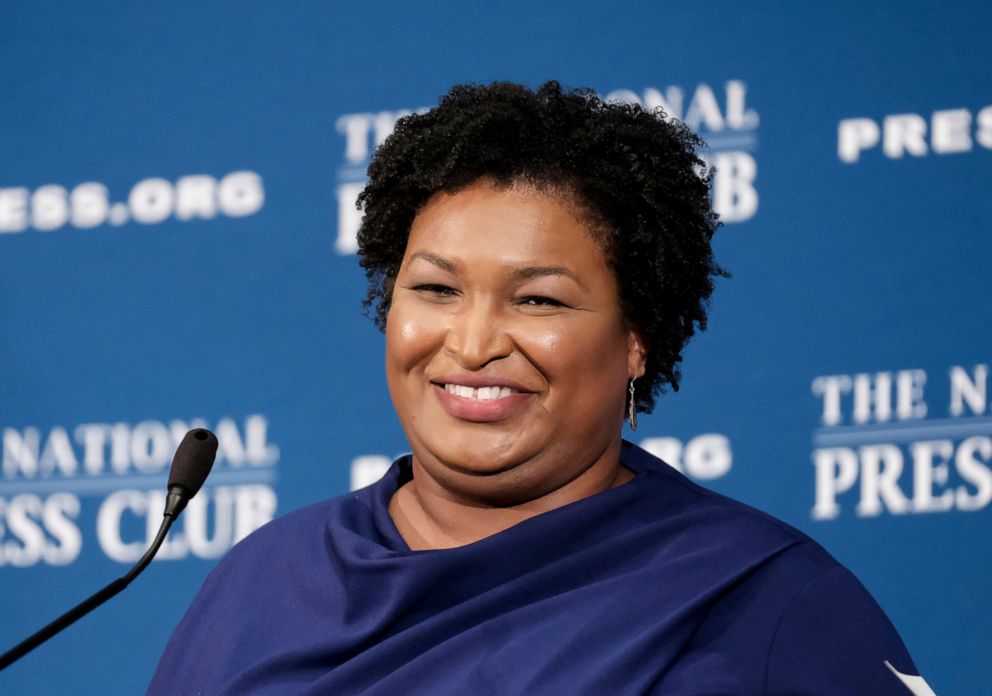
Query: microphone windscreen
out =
(193, 460)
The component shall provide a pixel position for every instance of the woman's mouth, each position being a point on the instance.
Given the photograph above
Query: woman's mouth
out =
(480, 404)
(479, 393)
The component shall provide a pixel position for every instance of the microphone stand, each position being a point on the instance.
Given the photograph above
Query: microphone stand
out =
(90, 603)
(190, 467)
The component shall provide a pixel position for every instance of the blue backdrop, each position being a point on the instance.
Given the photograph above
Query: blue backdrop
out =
(176, 237)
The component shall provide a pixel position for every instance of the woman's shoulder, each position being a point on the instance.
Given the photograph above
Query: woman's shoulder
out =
(724, 521)
(785, 602)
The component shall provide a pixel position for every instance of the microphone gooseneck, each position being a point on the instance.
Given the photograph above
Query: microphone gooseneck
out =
(192, 462)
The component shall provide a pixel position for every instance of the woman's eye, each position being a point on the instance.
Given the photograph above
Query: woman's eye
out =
(434, 289)
(540, 301)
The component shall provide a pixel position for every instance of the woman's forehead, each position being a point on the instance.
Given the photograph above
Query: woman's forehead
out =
(516, 224)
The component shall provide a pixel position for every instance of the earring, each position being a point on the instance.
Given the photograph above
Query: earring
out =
(631, 407)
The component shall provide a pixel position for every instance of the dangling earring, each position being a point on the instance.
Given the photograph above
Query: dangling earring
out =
(631, 408)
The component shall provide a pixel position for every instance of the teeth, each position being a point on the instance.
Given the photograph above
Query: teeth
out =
(480, 394)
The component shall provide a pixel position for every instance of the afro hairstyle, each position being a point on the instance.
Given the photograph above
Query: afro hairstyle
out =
(634, 175)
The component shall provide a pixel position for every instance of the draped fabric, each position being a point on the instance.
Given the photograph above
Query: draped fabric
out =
(656, 586)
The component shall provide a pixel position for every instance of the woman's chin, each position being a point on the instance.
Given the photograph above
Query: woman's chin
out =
(474, 461)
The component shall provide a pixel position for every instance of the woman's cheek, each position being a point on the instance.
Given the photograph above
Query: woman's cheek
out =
(412, 334)
(567, 340)
(544, 343)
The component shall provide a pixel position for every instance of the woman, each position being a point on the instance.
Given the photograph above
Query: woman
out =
(538, 261)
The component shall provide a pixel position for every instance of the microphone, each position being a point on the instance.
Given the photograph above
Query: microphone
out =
(190, 466)
(194, 457)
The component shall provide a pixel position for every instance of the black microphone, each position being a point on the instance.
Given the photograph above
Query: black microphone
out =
(194, 457)
(190, 466)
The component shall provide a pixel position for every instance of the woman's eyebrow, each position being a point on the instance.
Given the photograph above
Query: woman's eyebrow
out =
(520, 273)
(437, 260)
(530, 272)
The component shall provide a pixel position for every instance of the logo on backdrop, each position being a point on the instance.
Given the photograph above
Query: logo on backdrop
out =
(943, 132)
(120, 470)
(149, 202)
(881, 449)
(704, 457)
(720, 115)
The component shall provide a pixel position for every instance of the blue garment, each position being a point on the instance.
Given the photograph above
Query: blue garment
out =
(654, 587)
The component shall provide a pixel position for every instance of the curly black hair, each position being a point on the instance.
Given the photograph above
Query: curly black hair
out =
(635, 175)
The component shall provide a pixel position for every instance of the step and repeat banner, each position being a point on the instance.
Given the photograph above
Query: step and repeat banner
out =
(177, 238)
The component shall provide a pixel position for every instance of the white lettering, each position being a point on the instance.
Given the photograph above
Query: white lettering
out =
(909, 394)
(93, 437)
(235, 512)
(704, 110)
(145, 447)
(975, 471)
(830, 389)
(90, 205)
(120, 447)
(881, 466)
(739, 117)
(735, 198)
(950, 131)
(58, 454)
(151, 200)
(869, 393)
(836, 473)
(240, 194)
(108, 525)
(349, 218)
(855, 135)
(151, 447)
(49, 207)
(970, 389)
(258, 450)
(26, 518)
(708, 456)
(23, 516)
(926, 473)
(903, 133)
(230, 448)
(984, 134)
(20, 452)
(355, 128)
(59, 511)
(368, 469)
(196, 197)
(13, 209)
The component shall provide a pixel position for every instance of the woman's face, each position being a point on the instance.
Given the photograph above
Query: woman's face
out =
(506, 354)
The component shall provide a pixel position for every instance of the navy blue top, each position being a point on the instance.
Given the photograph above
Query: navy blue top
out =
(657, 586)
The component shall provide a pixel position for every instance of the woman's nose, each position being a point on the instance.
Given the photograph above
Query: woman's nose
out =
(477, 336)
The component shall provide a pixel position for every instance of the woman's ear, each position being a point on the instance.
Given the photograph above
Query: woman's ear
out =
(637, 353)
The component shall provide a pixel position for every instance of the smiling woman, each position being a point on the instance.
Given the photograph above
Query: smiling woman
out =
(538, 261)
(503, 291)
